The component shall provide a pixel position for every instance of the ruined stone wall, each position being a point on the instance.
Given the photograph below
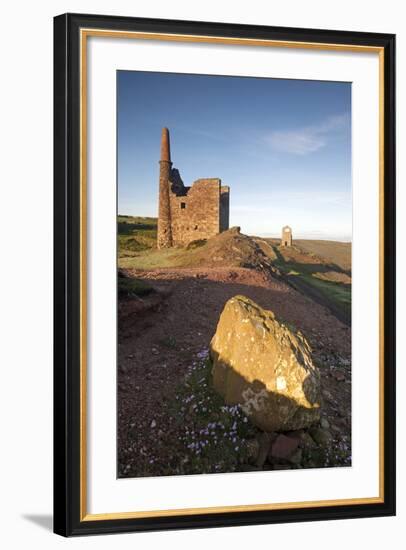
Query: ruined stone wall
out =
(286, 236)
(196, 214)
(187, 214)
(224, 208)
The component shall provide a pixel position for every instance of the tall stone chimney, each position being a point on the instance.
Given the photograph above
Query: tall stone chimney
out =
(164, 212)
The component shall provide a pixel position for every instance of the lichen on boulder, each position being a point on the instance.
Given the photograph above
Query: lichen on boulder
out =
(264, 366)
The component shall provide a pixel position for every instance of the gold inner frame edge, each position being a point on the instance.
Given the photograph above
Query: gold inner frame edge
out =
(84, 34)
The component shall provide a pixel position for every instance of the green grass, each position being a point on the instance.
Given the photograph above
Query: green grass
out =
(227, 249)
(337, 293)
(338, 253)
(151, 259)
(127, 245)
(135, 234)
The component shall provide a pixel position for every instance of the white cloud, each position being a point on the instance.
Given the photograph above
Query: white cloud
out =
(299, 142)
(308, 139)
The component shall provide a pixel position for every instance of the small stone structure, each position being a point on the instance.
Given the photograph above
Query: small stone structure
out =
(192, 213)
(286, 236)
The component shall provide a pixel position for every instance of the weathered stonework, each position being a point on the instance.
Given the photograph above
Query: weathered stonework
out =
(164, 214)
(286, 236)
(188, 214)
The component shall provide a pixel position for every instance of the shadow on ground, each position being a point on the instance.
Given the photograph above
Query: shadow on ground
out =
(42, 520)
(165, 334)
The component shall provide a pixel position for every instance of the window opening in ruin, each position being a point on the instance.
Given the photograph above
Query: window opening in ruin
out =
(183, 205)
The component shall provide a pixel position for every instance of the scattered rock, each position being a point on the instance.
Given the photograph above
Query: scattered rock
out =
(252, 449)
(329, 398)
(264, 442)
(320, 436)
(296, 434)
(296, 457)
(265, 366)
(324, 423)
(339, 376)
(153, 424)
(307, 441)
(340, 421)
(283, 447)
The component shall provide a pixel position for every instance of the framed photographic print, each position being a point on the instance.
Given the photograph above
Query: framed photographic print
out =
(224, 274)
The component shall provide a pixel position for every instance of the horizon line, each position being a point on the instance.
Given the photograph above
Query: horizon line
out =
(272, 235)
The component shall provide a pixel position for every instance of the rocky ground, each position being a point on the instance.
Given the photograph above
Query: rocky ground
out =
(170, 420)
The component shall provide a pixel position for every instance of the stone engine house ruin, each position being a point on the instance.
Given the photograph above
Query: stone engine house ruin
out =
(286, 236)
(192, 213)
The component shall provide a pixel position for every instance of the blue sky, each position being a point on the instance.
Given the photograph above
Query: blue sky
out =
(283, 147)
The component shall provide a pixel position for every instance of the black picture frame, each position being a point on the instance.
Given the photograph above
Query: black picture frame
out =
(67, 381)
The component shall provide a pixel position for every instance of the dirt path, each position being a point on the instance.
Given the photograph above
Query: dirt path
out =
(161, 335)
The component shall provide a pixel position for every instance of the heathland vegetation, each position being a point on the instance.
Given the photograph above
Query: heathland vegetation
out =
(321, 269)
(171, 419)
